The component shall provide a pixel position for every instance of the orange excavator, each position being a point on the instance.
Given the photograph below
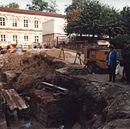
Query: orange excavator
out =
(95, 60)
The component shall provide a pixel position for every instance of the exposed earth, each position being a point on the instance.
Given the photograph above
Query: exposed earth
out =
(92, 102)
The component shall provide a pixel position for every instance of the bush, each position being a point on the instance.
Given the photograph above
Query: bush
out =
(119, 40)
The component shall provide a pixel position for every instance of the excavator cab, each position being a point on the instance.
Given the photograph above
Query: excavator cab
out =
(95, 60)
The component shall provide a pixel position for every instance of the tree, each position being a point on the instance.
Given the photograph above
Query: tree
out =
(38, 5)
(43, 5)
(93, 18)
(111, 21)
(52, 6)
(11, 5)
(72, 17)
(90, 19)
(125, 17)
(119, 40)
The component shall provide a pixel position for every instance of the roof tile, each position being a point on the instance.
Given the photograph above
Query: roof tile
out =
(31, 12)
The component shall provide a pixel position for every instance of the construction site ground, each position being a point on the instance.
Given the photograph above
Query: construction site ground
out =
(12, 62)
(24, 72)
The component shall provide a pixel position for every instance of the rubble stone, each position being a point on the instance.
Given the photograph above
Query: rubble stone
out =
(109, 102)
(48, 108)
(92, 103)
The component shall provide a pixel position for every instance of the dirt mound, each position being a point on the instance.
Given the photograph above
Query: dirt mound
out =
(33, 74)
(11, 61)
(33, 68)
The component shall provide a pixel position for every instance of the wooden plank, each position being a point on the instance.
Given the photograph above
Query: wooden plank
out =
(14, 97)
(18, 100)
(9, 100)
(13, 100)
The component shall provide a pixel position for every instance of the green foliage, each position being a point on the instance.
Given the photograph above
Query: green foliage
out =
(11, 5)
(92, 17)
(73, 17)
(38, 5)
(43, 5)
(119, 40)
(52, 6)
(125, 18)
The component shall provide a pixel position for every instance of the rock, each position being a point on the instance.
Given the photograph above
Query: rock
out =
(118, 102)
(28, 70)
(108, 100)
(76, 126)
(118, 124)
(9, 76)
(2, 121)
(91, 96)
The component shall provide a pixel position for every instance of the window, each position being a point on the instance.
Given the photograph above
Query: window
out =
(14, 23)
(25, 38)
(36, 24)
(14, 37)
(2, 21)
(25, 23)
(3, 38)
(36, 39)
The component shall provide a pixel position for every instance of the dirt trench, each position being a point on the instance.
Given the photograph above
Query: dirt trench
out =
(91, 103)
(100, 105)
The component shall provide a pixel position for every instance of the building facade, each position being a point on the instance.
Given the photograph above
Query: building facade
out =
(26, 26)
(55, 32)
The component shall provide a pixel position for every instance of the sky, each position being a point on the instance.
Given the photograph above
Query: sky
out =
(62, 4)
(118, 4)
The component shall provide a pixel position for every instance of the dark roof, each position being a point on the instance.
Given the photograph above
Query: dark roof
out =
(31, 12)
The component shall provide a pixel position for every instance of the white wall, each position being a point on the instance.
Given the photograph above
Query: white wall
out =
(55, 25)
(59, 25)
(9, 36)
(47, 25)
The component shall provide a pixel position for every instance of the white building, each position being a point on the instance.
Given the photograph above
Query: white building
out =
(53, 30)
(27, 26)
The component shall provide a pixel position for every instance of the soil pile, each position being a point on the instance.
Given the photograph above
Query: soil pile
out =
(23, 71)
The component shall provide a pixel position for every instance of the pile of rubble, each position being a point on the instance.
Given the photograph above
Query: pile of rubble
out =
(104, 105)
(24, 71)
(92, 103)
(48, 108)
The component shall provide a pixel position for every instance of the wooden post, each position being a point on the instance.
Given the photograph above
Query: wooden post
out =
(78, 56)
(62, 53)
(57, 41)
